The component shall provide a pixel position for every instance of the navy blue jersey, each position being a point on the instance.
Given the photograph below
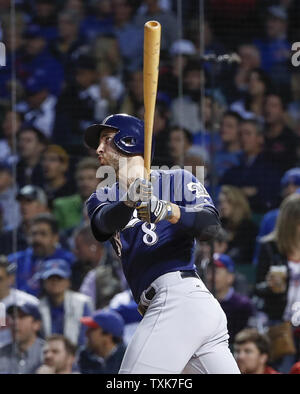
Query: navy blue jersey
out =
(150, 250)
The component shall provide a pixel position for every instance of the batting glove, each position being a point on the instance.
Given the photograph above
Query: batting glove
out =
(150, 209)
(139, 190)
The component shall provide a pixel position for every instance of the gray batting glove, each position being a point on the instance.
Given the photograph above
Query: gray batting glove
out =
(139, 190)
(150, 209)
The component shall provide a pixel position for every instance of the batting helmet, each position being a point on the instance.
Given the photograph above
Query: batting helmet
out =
(129, 137)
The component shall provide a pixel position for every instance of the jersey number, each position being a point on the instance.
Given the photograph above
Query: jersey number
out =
(150, 238)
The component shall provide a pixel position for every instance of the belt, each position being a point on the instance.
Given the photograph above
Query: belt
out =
(150, 293)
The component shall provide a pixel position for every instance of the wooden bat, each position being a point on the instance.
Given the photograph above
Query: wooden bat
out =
(152, 34)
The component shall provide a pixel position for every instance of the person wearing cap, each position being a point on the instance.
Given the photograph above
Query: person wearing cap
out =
(25, 355)
(9, 295)
(55, 164)
(275, 48)
(44, 245)
(238, 308)
(8, 203)
(32, 201)
(61, 308)
(104, 351)
(36, 57)
(39, 106)
(31, 145)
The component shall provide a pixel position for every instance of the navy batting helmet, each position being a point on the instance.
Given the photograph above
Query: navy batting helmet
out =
(129, 137)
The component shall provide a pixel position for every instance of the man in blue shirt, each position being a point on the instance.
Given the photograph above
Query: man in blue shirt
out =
(152, 226)
(61, 308)
(44, 246)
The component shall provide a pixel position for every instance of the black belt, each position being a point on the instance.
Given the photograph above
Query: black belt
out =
(184, 274)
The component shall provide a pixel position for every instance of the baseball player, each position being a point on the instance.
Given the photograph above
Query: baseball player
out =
(152, 226)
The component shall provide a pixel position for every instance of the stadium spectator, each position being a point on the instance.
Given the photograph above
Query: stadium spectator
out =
(105, 50)
(133, 99)
(237, 307)
(130, 37)
(255, 175)
(281, 143)
(10, 125)
(289, 184)
(181, 146)
(251, 351)
(8, 203)
(171, 70)
(230, 152)
(24, 355)
(68, 46)
(61, 308)
(105, 349)
(96, 272)
(279, 251)
(235, 217)
(32, 201)
(36, 57)
(55, 164)
(45, 16)
(58, 356)
(39, 107)
(275, 47)
(69, 210)
(252, 106)
(185, 110)
(9, 295)
(31, 145)
(166, 18)
(235, 85)
(44, 241)
(161, 135)
(80, 103)
(99, 22)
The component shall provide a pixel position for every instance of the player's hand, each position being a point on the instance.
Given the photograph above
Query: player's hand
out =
(154, 210)
(150, 209)
(139, 190)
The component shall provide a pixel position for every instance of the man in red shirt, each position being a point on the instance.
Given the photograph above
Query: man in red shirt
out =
(251, 351)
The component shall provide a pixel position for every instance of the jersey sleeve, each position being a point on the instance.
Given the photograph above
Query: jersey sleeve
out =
(97, 201)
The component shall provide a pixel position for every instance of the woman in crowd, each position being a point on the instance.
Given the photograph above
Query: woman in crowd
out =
(278, 272)
(235, 216)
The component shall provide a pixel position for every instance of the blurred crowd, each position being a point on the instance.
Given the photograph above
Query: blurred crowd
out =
(71, 63)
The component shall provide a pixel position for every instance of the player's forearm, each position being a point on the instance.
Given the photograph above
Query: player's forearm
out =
(204, 223)
(112, 217)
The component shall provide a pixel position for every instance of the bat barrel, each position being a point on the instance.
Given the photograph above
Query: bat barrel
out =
(152, 34)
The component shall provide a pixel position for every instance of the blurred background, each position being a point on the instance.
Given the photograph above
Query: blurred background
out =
(228, 99)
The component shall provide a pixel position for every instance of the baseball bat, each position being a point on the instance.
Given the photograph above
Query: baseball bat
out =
(152, 35)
